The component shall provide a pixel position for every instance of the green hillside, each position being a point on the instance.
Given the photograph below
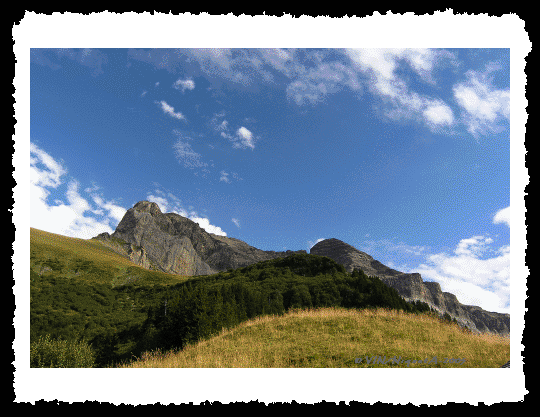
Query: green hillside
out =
(86, 298)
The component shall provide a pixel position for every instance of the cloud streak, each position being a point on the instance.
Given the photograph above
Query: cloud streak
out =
(482, 104)
(167, 109)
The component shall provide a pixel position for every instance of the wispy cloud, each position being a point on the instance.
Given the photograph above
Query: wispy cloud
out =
(313, 85)
(224, 177)
(241, 138)
(184, 85)
(91, 58)
(312, 75)
(71, 214)
(382, 65)
(236, 222)
(170, 111)
(185, 153)
(483, 105)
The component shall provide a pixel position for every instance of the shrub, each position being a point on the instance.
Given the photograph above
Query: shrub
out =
(47, 353)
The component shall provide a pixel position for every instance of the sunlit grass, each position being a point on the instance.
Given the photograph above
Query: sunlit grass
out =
(89, 259)
(333, 338)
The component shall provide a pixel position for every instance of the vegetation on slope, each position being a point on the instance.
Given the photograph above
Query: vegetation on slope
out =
(83, 292)
(335, 337)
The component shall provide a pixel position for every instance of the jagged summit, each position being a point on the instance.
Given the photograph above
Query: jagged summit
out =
(175, 244)
(147, 206)
(178, 245)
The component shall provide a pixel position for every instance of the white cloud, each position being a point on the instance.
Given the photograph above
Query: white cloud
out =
(116, 212)
(170, 111)
(236, 222)
(169, 203)
(482, 104)
(246, 138)
(224, 177)
(205, 224)
(382, 65)
(243, 137)
(279, 59)
(474, 281)
(315, 84)
(184, 85)
(475, 272)
(502, 216)
(73, 218)
(438, 113)
(214, 58)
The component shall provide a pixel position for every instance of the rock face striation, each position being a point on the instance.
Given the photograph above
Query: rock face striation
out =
(171, 243)
(411, 287)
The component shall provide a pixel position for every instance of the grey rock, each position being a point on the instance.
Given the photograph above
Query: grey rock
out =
(166, 238)
(171, 243)
(412, 288)
(135, 254)
(178, 245)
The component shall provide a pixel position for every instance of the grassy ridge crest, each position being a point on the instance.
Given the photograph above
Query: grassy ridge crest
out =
(333, 338)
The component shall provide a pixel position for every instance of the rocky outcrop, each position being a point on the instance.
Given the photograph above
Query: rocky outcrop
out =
(171, 243)
(412, 288)
(135, 254)
(178, 245)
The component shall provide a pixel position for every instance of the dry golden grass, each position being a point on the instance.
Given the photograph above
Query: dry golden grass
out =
(333, 338)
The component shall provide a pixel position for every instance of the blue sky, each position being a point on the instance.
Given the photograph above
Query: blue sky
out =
(402, 153)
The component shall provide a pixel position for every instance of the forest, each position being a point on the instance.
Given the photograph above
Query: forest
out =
(110, 324)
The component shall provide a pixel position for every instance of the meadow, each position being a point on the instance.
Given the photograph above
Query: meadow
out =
(91, 307)
(338, 338)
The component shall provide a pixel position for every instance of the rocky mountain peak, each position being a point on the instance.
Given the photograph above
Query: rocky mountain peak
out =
(412, 288)
(345, 254)
(147, 206)
(178, 245)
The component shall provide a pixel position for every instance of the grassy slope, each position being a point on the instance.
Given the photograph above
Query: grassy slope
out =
(317, 338)
(77, 289)
(89, 260)
(333, 338)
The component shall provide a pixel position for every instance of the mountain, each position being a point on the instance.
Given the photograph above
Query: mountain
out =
(411, 287)
(174, 244)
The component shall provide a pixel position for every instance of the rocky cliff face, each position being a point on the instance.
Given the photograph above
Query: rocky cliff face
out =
(171, 243)
(411, 287)
(178, 245)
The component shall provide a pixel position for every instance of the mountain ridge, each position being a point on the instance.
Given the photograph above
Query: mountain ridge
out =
(412, 288)
(175, 244)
